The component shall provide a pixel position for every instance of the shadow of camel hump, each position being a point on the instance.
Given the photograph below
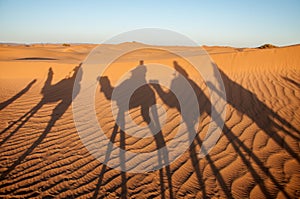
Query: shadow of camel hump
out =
(170, 99)
(60, 92)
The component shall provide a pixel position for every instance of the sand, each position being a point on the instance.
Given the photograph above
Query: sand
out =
(257, 155)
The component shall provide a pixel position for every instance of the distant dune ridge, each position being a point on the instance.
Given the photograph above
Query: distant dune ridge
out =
(267, 46)
(257, 155)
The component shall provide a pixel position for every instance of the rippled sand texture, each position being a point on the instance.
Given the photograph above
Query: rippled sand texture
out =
(257, 155)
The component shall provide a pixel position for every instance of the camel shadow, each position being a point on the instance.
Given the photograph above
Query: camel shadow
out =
(52, 93)
(246, 103)
(142, 98)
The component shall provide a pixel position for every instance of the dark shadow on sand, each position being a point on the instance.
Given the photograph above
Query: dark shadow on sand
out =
(241, 99)
(52, 93)
(143, 97)
(36, 59)
(246, 103)
(18, 95)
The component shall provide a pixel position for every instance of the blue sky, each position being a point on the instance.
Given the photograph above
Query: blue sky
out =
(234, 23)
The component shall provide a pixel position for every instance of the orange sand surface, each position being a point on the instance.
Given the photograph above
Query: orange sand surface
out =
(257, 155)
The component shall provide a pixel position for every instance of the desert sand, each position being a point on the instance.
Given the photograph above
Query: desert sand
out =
(42, 156)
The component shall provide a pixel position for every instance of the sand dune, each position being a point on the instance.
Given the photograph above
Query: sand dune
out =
(257, 155)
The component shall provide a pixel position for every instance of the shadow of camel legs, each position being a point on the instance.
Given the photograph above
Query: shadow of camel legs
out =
(123, 194)
(18, 95)
(267, 124)
(139, 100)
(11, 100)
(247, 103)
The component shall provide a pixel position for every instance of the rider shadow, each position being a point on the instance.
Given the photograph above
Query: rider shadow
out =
(52, 93)
(170, 99)
(142, 98)
(266, 124)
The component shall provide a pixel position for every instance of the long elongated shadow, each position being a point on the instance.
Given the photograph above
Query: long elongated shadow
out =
(137, 100)
(163, 155)
(252, 107)
(237, 143)
(9, 101)
(169, 99)
(234, 141)
(163, 158)
(196, 166)
(27, 116)
(18, 95)
(215, 170)
(60, 92)
(104, 166)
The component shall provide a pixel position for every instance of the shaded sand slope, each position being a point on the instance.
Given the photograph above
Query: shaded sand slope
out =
(257, 155)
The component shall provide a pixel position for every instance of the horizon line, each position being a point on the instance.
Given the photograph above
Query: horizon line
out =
(91, 43)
